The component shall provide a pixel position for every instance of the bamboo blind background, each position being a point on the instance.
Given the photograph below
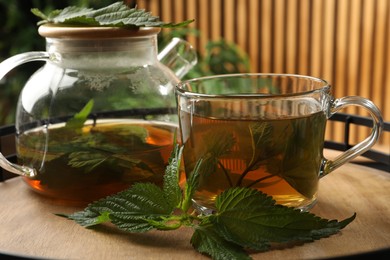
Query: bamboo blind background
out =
(345, 42)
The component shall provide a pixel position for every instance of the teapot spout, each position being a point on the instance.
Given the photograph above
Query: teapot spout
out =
(179, 56)
(17, 169)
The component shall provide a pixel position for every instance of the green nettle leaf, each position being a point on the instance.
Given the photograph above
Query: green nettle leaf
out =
(216, 144)
(207, 240)
(78, 120)
(306, 185)
(219, 143)
(86, 159)
(259, 133)
(88, 218)
(39, 13)
(264, 146)
(72, 15)
(191, 186)
(171, 186)
(131, 133)
(116, 15)
(91, 159)
(245, 218)
(133, 210)
(251, 219)
(302, 174)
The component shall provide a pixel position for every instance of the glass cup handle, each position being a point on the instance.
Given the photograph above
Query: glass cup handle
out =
(366, 144)
(5, 67)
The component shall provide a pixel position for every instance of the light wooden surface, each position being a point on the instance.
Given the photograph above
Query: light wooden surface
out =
(28, 226)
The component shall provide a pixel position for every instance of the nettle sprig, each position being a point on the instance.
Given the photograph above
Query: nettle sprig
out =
(245, 219)
(115, 15)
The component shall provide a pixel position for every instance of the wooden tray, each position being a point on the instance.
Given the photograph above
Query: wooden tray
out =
(29, 228)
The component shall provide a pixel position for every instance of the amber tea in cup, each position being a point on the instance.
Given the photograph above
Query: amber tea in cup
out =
(264, 131)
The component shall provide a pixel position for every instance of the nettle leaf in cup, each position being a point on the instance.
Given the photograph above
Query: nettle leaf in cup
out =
(245, 218)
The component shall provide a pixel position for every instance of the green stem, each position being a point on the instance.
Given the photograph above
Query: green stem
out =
(243, 174)
(176, 221)
(259, 180)
(170, 227)
(226, 174)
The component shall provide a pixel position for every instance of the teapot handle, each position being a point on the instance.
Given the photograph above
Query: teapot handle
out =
(5, 67)
(179, 56)
(19, 59)
(15, 168)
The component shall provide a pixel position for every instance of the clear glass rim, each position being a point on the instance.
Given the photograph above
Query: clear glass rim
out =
(181, 90)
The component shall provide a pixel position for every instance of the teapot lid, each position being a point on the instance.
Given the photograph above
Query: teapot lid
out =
(56, 31)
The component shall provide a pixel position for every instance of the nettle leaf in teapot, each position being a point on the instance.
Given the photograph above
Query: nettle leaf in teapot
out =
(78, 120)
(115, 15)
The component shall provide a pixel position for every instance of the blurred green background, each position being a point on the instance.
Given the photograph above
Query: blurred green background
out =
(18, 33)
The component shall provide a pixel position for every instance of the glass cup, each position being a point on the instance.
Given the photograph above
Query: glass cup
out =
(264, 131)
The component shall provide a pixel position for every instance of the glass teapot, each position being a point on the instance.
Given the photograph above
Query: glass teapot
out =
(100, 115)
